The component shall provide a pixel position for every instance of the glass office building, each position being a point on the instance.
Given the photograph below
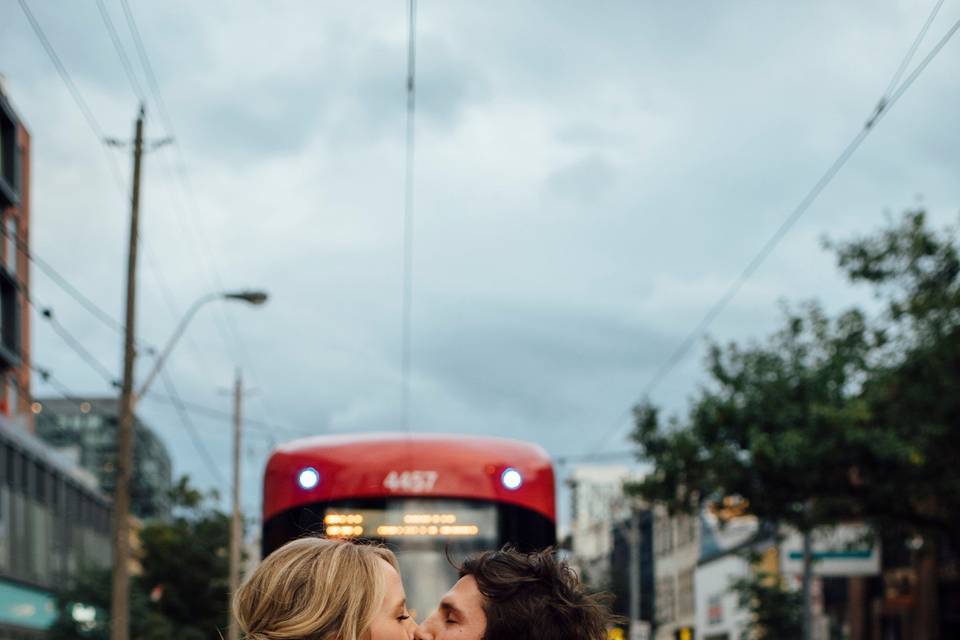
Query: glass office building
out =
(86, 430)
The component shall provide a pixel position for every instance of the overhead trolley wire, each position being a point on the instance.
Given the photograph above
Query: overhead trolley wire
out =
(894, 81)
(883, 107)
(181, 174)
(406, 320)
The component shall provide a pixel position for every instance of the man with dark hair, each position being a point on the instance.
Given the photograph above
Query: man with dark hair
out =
(508, 595)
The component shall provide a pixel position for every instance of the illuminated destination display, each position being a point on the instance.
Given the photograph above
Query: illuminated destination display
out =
(391, 531)
(462, 522)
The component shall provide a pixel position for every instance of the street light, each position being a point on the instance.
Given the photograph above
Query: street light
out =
(253, 297)
(121, 550)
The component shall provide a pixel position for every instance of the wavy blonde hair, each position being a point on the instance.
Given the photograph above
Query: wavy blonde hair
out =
(313, 589)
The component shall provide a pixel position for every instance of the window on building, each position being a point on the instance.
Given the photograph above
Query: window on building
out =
(40, 483)
(24, 475)
(663, 535)
(685, 594)
(10, 243)
(665, 598)
(9, 320)
(4, 528)
(11, 470)
(13, 398)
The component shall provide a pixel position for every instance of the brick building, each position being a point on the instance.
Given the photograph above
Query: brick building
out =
(14, 266)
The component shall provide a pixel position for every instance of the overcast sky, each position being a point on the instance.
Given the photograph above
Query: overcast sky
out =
(590, 177)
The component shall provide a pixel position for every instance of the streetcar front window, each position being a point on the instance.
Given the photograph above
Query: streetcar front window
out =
(422, 533)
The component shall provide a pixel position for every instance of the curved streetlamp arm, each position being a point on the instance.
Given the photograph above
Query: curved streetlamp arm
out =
(178, 332)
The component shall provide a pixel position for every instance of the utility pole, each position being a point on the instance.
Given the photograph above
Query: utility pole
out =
(807, 629)
(634, 566)
(120, 594)
(236, 525)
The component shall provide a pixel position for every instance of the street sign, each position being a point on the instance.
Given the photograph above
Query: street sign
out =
(842, 550)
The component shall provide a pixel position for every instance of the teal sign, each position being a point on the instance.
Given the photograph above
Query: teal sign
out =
(26, 607)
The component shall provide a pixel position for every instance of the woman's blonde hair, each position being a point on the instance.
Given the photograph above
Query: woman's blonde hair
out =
(313, 589)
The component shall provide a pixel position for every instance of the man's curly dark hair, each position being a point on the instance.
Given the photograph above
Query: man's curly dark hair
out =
(535, 595)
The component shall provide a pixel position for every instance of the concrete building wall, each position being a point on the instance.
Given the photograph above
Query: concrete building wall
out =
(597, 504)
(719, 615)
(676, 550)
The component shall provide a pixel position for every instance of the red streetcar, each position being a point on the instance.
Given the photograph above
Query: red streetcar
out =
(422, 495)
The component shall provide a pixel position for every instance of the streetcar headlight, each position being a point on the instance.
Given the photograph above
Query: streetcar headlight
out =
(308, 478)
(511, 479)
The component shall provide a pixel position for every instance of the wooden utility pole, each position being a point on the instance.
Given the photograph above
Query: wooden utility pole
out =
(236, 524)
(120, 594)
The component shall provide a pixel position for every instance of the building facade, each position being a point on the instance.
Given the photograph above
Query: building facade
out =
(85, 430)
(601, 535)
(676, 550)
(597, 503)
(620, 566)
(14, 265)
(54, 523)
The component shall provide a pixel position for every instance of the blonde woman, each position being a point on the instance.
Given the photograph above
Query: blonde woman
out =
(320, 589)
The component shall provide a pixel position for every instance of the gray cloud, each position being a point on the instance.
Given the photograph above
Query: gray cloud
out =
(589, 179)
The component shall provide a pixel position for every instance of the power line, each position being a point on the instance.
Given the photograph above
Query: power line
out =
(198, 444)
(183, 178)
(265, 427)
(594, 457)
(76, 345)
(121, 51)
(180, 172)
(98, 132)
(165, 293)
(209, 412)
(74, 92)
(881, 110)
(147, 67)
(408, 217)
(47, 376)
(62, 70)
(97, 311)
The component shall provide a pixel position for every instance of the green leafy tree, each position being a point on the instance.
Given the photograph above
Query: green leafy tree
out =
(833, 417)
(913, 395)
(182, 591)
(186, 566)
(777, 610)
(778, 426)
